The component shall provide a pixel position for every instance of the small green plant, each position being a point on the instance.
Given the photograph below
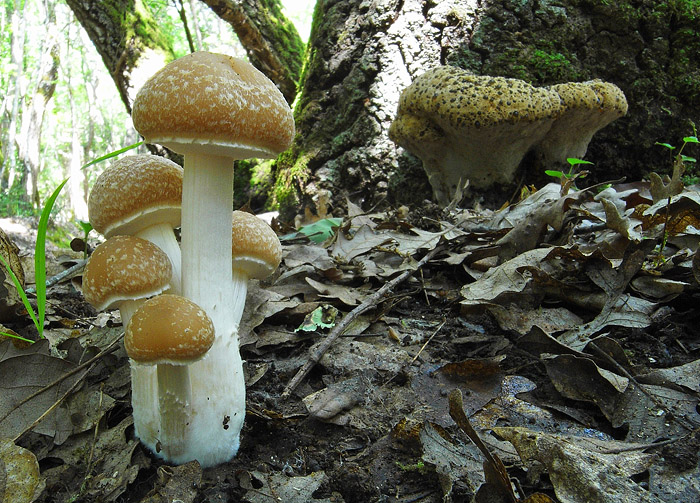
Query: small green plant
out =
(680, 160)
(39, 270)
(86, 227)
(573, 162)
(568, 180)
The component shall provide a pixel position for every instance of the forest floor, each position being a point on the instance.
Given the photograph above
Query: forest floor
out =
(565, 328)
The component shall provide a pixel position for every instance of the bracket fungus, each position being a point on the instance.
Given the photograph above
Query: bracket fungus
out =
(469, 127)
(474, 128)
(213, 109)
(586, 108)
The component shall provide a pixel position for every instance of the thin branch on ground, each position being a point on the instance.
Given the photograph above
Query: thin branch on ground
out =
(61, 275)
(369, 303)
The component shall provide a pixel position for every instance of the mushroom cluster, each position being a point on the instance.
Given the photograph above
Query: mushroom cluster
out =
(212, 109)
(474, 128)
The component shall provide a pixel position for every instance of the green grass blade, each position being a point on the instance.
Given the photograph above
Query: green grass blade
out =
(40, 257)
(20, 290)
(112, 154)
(6, 334)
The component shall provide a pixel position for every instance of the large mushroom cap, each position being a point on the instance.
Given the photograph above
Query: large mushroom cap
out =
(256, 248)
(470, 127)
(168, 329)
(216, 104)
(135, 192)
(587, 107)
(125, 268)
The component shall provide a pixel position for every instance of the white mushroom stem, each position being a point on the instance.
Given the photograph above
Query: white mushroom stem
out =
(175, 403)
(238, 296)
(163, 237)
(207, 200)
(218, 387)
(144, 386)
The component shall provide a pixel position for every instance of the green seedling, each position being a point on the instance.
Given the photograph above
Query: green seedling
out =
(680, 160)
(39, 269)
(417, 467)
(86, 227)
(573, 162)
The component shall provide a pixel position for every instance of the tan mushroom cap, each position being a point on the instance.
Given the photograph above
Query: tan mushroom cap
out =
(587, 108)
(125, 268)
(214, 103)
(134, 193)
(168, 329)
(464, 126)
(256, 249)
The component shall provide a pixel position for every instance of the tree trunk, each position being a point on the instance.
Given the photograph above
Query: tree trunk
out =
(270, 39)
(29, 139)
(128, 38)
(361, 55)
(17, 59)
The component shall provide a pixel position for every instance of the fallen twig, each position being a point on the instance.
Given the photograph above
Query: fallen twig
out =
(370, 302)
(61, 275)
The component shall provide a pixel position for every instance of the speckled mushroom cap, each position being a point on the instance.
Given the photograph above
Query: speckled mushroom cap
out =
(125, 268)
(168, 329)
(216, 104)
(256, 248)
(587, 108)
(465, 126)
(135, 192)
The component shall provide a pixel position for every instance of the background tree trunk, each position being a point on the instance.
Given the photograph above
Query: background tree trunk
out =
(29, 138)
(128, 38)
(17, 58)
(361, 55)
(270, 39)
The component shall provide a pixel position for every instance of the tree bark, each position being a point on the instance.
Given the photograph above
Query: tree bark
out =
(29, 139)
(128, 38)
(270, 39)
(17, 58)
(361, 55)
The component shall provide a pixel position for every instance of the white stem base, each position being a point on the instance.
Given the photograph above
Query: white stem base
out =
(144, 388)
(175, 402)
(218, 387)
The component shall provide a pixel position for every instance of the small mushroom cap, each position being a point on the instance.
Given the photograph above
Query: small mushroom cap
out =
(470, 127)
(206, 102)
(125, 268)
(587, 108)
(168, 329)
(256, 249)
(134, 193)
